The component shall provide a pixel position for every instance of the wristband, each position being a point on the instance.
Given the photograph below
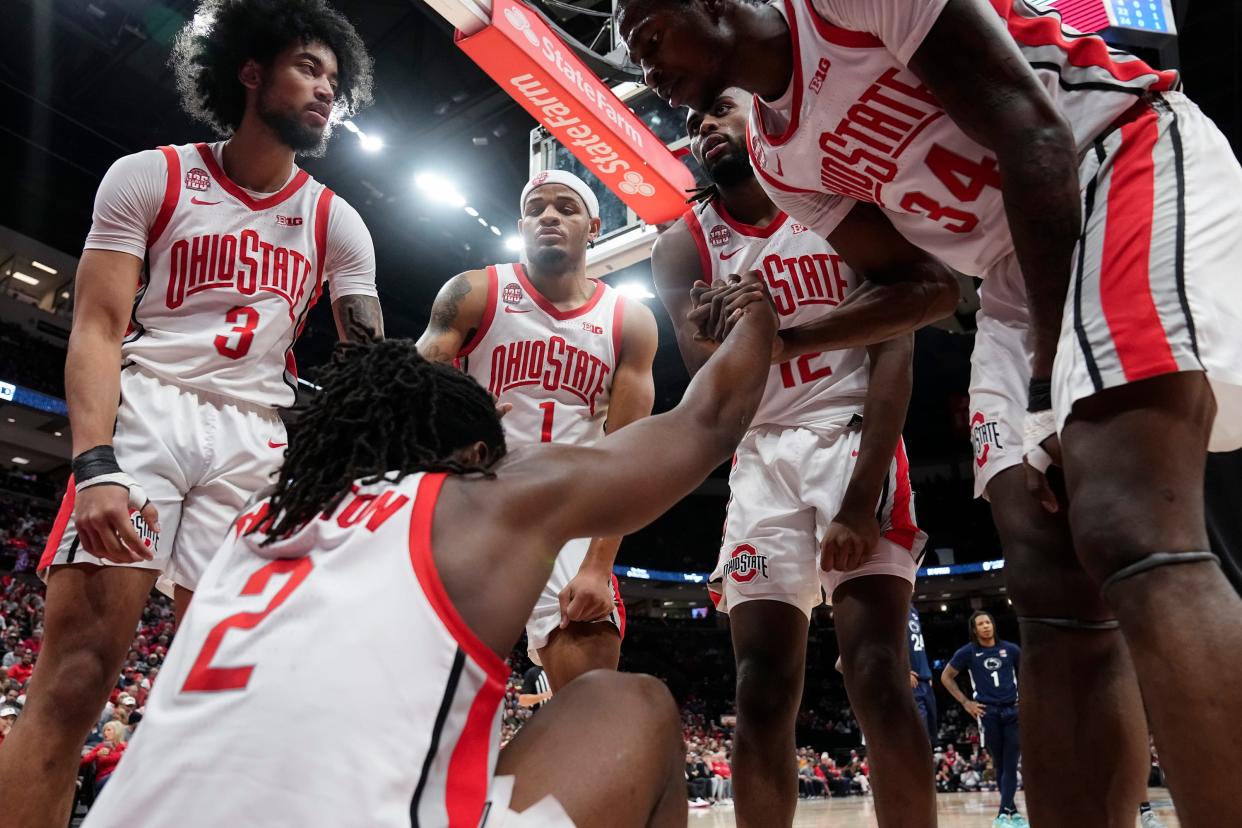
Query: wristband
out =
(98, 467)
(1039, 395)
(1037, 427)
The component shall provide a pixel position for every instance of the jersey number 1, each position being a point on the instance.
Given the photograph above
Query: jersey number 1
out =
(244, 320)
(204, 678)
(548, 408)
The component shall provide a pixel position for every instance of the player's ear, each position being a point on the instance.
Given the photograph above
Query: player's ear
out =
(475, 454)
(250, 74)
(593, 234)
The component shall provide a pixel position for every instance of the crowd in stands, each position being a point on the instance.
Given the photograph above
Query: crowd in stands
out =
(32, 362)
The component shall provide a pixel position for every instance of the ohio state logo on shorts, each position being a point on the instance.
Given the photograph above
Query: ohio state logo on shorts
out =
(511, 295)
(150, 538)
(197, 179)
(719, 235)
(984, 433)
(745, 564)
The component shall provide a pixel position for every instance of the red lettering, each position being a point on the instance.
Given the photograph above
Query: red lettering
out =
(179, 264)
(782, 295)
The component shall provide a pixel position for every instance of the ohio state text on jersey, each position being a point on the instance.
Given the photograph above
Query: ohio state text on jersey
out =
(555, 367)
(863, 127)
(229, 280)
(806, 279)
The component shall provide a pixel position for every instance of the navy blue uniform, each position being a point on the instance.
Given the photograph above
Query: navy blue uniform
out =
(924, 696)
(994, 676)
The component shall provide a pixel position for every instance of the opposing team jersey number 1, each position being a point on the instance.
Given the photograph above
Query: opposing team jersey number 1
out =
(963, 178)
(203, 677)
(244, 320)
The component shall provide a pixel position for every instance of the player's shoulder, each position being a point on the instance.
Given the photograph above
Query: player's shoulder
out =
(152, 162)
(1009, 645)
(674, 251)
(963, 652)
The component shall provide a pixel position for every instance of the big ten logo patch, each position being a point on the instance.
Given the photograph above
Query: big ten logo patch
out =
(150, 537)
(984, 433)
(511, 295)
(745, 564)
(197, 179)
(796, 228)
(719, 236)
(592, 328)
(821, 72)
(289, 221)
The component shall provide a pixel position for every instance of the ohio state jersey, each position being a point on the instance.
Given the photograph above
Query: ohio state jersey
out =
(555, 367)
(229, 281)
(263, 661)
(857, 124)
(806, 279)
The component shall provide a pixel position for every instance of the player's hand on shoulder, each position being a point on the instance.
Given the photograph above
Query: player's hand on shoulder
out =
(587, 597)
(849, 541)
(102, 518)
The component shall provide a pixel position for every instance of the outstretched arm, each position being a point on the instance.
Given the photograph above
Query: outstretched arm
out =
(455, 316)
(676, 269)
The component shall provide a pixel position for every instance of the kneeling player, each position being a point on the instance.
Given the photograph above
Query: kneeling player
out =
(400, 510)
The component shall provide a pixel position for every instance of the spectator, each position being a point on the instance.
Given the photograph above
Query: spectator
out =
(698, 781)
(20, 672)
(106, 754)
(8, 715)
(723, 778)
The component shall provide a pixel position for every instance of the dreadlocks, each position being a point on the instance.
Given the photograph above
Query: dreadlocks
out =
(382, 408)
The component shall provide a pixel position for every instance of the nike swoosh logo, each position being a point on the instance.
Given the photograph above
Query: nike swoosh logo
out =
(515, 310)
(270, 444)
(195, 200)
(730, 254)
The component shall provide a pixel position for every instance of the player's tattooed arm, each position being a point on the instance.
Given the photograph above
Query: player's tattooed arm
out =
(358, 311)
(676, 269)
(988, 88)
(455, 316)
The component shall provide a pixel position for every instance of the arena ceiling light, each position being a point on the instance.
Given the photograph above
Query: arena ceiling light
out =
(473, 213)
(22, 277)
(21, 461)
(634, 290)
(44, 268)
(438, 188)
(495, 230)
(513, 243)
(370, 143)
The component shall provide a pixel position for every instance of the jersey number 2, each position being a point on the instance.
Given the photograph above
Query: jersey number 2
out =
(204, 678)
(244, 320)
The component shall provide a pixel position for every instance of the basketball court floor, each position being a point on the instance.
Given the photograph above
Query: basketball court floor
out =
(959, 810)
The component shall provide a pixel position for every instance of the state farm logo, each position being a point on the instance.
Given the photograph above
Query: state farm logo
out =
(511, 295)
(745, 564)
(518, 21)
(719, 236)
(633, 184)
(590, 328)
(197, 179)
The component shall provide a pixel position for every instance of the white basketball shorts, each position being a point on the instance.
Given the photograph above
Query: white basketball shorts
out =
(546, 616)
(1155, 286)
(786, 486)
(199, 456)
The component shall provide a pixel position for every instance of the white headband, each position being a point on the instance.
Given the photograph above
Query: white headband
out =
(571, 181)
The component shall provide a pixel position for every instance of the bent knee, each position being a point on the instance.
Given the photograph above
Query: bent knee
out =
(76, 684)
(766, 695)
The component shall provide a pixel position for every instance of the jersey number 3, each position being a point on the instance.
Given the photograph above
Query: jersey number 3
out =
(244, 320)
(203, 677)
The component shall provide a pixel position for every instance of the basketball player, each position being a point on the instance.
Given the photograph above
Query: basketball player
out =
(573, 359)
(993, 667)
(237, 243)
(967, 122)
(402, 512)
(795, 484)
(921, 676)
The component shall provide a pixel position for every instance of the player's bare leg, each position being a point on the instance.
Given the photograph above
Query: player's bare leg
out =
(870, 614)
(769, 645)
(181, 603)
(1077, 684)
(623, 769)
(579, 648)
(1134, 459)
(89, 623)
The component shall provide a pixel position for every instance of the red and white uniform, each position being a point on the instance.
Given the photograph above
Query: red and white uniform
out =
(555, 368)
(239, 728)
(857, 125)
(229, 280)
(792, 468)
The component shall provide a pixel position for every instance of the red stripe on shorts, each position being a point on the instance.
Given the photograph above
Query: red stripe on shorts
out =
(903, 531)
(58, 528)
(616, 594)
(469, 771)
(1125, 279)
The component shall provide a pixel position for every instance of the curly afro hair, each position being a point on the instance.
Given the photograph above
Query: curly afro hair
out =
(224, 34)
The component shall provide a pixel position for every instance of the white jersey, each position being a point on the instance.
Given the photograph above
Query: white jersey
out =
(806, 279)
(244, 726)
(231, 275)
(857, 125)
(555, 367)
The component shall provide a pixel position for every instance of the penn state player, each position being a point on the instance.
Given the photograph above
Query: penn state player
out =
(237, 242)
(921, 675)
(572, 357)
(820, 499)
(967, 121)
(402, 510)
(993, 667)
